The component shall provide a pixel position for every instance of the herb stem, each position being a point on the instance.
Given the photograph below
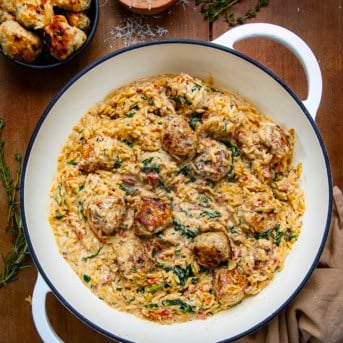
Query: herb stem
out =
(14, 261)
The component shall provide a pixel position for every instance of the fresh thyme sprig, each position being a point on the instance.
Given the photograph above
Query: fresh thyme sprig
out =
(212, 9)
(18, 254)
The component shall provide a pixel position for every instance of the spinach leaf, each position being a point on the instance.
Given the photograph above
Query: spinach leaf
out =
(278, 235)
(263, 234)
(126, 189)
(117, 162)
(194, 121)
(187, 232)
(196, 87)
(182, 273)
(128, 143)
(149, 167)
(86, 277)
(84, 259)
(187, 171)
(233, 148)
(213, 214)
(184, 307)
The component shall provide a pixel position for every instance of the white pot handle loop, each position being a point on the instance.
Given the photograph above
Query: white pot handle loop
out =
(40, 318)
(294, 43)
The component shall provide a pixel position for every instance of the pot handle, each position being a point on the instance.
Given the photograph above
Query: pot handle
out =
(40, 317)
(294, 43)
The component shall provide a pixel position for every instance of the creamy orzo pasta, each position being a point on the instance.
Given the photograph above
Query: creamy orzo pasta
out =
(174, 200)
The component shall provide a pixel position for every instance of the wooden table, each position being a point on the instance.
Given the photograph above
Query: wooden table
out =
(25, 94)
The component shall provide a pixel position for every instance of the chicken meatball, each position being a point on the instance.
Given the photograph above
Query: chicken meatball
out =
(19, 43)
(8, 6)
(79, 20)
(211, 249)
(260, 211)
(276, 139)
(179, 140)
(183, 89)
(101, 152)
(132, 258)
(73, 5)
(153, 215)
(106, 213)
(267, 142)
(229, 286)
(5, 15)
(62, 38)
(214, 160)
(34, 14)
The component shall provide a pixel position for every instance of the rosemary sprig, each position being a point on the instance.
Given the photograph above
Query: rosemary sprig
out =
(18, 254)
(212, 9)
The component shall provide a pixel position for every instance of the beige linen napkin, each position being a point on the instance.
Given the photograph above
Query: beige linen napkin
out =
(316, 314)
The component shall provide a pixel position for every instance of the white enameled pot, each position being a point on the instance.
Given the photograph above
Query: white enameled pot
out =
(232, 70)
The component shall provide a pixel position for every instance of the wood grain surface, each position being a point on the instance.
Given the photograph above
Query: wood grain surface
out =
(25, 93)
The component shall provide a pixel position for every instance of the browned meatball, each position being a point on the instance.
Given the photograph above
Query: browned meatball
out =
(79, 20)
(132, 258)
(276, 139)
(106, 213)
(153, 216)
(100, 152)
(229, 286)
(211, 249)
(179, 140)
(19, 43)
(73, 5)
(214, 160)
(34, 14)
(63, 39)
(259, 211)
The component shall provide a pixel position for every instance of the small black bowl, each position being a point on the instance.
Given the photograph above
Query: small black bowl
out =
(45, 61)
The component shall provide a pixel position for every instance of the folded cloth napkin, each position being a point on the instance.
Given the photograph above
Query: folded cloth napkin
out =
(316, 314)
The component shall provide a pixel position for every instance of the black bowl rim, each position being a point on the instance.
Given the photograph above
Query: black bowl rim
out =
(187, 42)
(90, 36)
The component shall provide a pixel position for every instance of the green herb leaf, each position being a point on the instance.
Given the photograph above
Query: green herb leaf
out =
(126, 189)
(184, 307)
(196, 87)
(212, 9)
(213, 214)
(128, 143)
(187, 171)
(278, 237)
(84, 259)
(232, 147)
(177, 99)
(263, 234)
(149, 167)
(117, 162)
(141, 290)
(86, 277)
(194, 121)
(152, 305)
(233, 229)
(187, 232)
(289, 236)
(182, 273)
(154, 288)
(147, 161)
(195, 280)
